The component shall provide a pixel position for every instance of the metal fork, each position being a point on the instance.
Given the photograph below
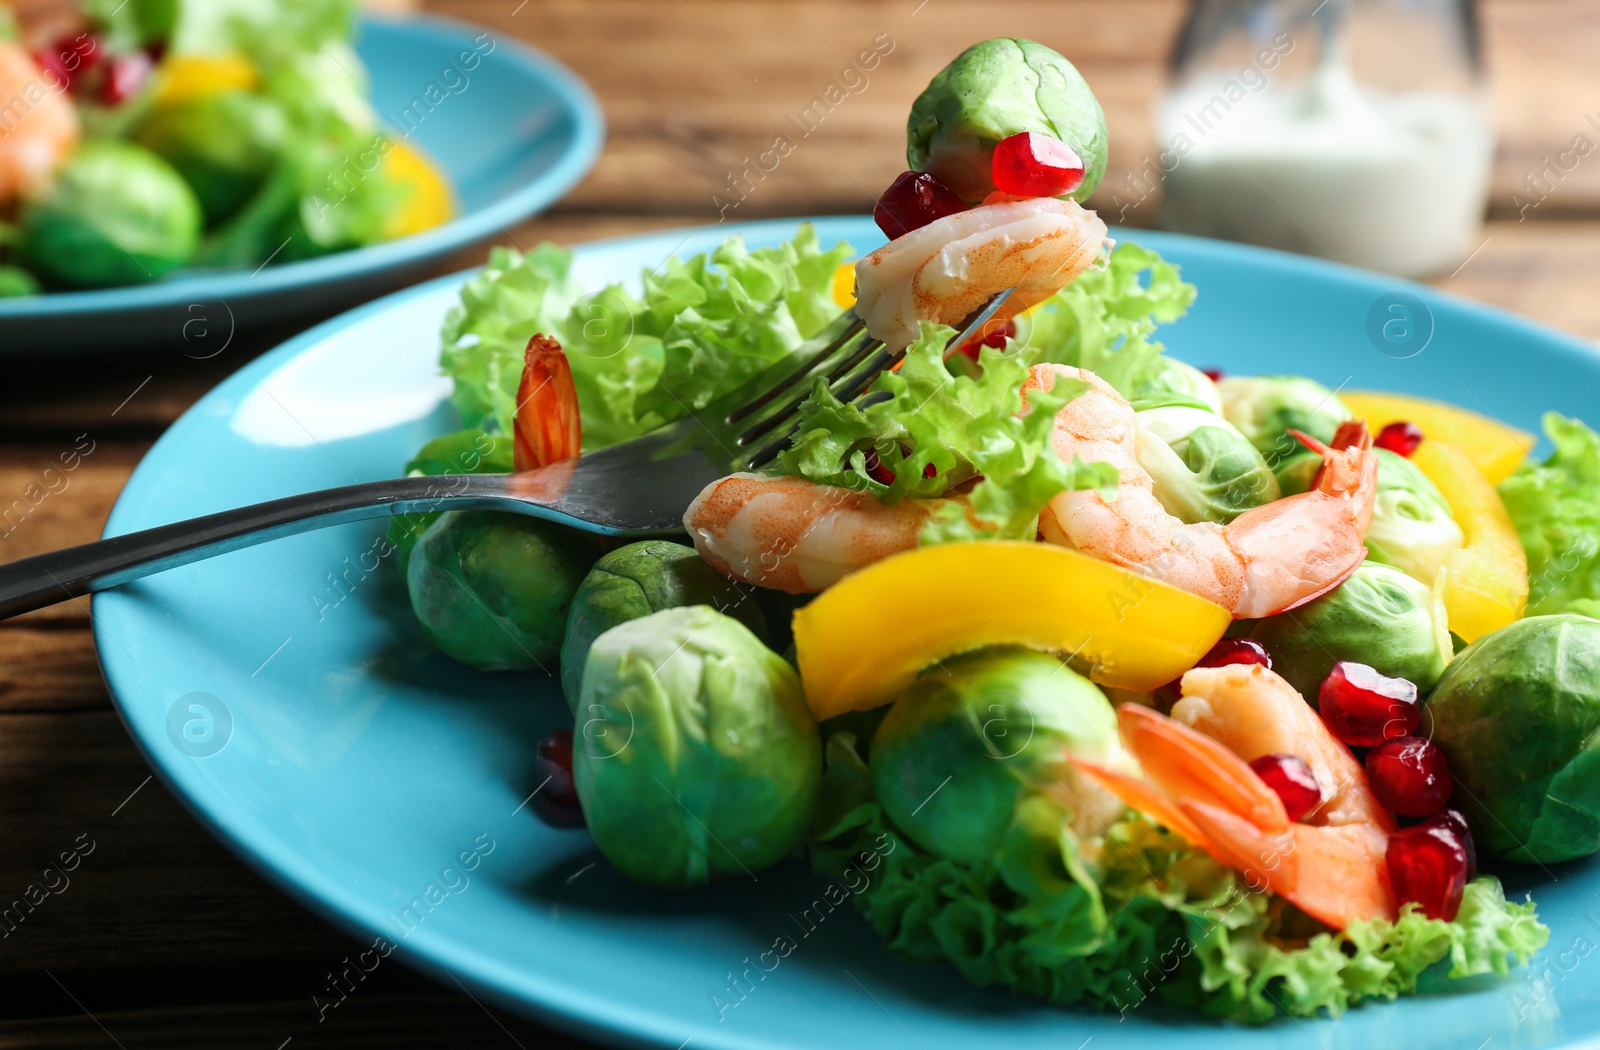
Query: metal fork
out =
(638, 488)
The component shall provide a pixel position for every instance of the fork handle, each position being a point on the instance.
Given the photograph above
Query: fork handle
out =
(33, 583)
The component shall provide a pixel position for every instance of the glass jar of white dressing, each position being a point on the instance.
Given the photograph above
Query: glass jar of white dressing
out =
(1352, 129)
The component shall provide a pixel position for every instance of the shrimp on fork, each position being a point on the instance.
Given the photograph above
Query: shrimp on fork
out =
(1267, 560)
(35, 141)
(1197, 781)
(951, 267)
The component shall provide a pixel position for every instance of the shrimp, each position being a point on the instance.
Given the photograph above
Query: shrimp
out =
(38, 124)
(1267, 560)
(548, 428)
(799, 536)
(1197, 781)
(949, 268)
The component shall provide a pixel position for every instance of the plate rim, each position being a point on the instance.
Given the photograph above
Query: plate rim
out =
(563, 1006)
(240, 285)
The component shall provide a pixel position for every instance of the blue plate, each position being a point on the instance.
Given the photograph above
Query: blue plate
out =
(286, 695)
(514, 133)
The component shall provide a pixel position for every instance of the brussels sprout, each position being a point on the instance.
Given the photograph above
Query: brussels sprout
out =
(640, 579)
(1412, 526)
(1517, 715)
(493, 589)
(698, 758)
(1176, 381)
(993, 90)
(1203, 468)
(224, 144)
(1265, 408)
(964, 742)
(1378, 616)
(114, 214)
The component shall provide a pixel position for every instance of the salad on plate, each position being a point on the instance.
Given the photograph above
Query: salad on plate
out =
(1106, 678)
(140, 137)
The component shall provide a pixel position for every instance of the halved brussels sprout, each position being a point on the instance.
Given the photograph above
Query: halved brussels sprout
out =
(1265, 408)
(697, 758)
(1176, 381)
(640, 579)
(1203, 468)
(964, 742)
(1378, 616)
(1518, 716)
(993, 90)
(493, 589)
(1412, 527)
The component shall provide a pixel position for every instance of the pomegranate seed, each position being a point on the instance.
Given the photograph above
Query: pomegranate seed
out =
(1034, 165)
(1410, 776)
(1237, 651)
(1400, 438)
(1213, 374)
(1292, 779)
(996, 339)
(1428, 864)
(1364, 708)
(1456, 822)
(70, 58)
(929, 470)
(912, 201)
(126, 75)
(556, 801)
(875, 468)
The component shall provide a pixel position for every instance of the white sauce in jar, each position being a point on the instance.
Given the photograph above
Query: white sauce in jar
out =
(1327, 166)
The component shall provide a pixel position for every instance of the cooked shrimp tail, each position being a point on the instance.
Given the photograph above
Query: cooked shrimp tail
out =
(548, 428)
(1208, 794)
(1267, 560)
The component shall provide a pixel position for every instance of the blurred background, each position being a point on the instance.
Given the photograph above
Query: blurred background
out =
(1490, 191)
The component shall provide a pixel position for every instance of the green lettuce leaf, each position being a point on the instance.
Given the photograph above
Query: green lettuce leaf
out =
(701, 327)
(1555, 506)
(1103, 321)
(1135, 916)
(963, 425)
(516, 296)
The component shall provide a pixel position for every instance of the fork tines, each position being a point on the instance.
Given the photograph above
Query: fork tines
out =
(844, 357)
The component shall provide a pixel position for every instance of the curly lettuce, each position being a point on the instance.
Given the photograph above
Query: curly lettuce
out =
(1136, 915)
(1555, 506)
(936, 430)
(1104, 320)
(701, 327)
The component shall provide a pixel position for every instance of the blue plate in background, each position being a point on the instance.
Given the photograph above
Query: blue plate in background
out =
(513, 134)
(285, 694)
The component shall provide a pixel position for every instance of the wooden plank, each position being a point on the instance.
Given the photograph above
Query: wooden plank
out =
(1541, 270)
(49, 666)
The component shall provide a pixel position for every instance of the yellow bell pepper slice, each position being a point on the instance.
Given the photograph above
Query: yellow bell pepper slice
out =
(1495, 448)
(867, 636)
(1484, 585)
(186, 77)
(428, 201)
(844, 285)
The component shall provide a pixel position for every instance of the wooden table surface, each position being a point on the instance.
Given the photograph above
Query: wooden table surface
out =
(163, 939)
